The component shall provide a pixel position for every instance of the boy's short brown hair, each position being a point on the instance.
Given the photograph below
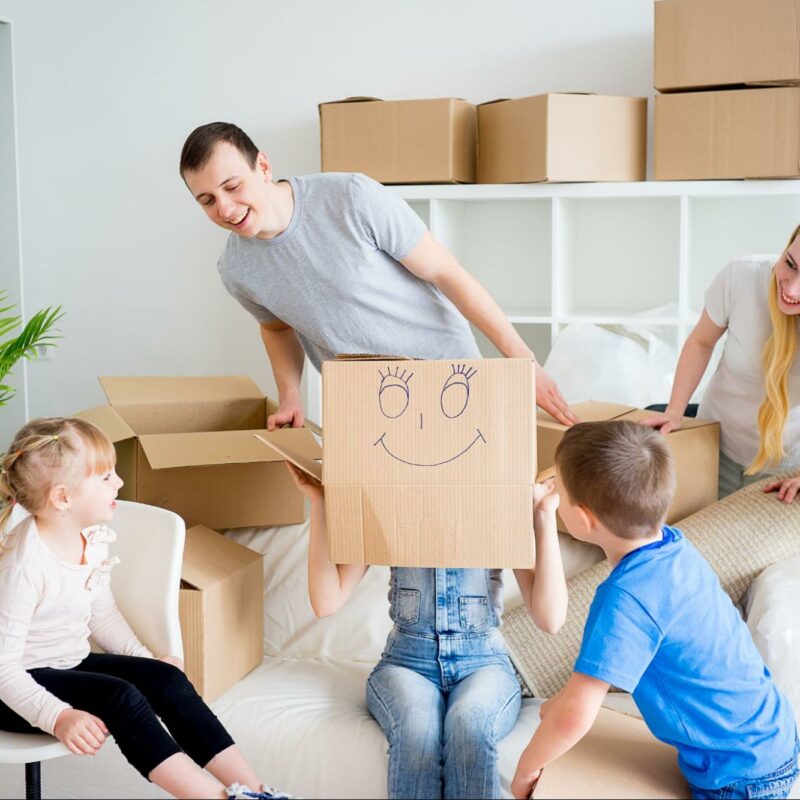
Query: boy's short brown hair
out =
(200, 144)
(620, 471)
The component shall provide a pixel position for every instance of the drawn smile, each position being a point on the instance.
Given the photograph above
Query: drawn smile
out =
(478, 437)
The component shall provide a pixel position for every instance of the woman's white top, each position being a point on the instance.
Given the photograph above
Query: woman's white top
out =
(48, 610)
(738, 300)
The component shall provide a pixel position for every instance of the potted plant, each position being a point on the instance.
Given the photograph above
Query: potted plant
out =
(37, 335)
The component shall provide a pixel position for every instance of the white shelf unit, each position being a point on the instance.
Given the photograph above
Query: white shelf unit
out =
(552, 254)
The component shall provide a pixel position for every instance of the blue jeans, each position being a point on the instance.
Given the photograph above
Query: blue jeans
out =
(444, 692)
(777, 784)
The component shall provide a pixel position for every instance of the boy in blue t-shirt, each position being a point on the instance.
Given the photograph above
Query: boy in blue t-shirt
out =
(661, 627)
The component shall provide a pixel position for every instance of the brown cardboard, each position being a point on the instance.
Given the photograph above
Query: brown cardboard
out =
(740, 133)
(707, 43)
(186, 444)
(618, 758)
(220, 606)
(429, 463)
(400, 141)
(695, 450)
(562, 137)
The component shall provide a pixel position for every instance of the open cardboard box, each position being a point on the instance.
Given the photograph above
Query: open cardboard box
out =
(695, 449)
(221, 614)
(427, 463)
(186, 444)
(618, 758)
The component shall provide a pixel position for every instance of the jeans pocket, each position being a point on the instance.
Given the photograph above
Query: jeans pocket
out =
(407, 610)
(774, 788)
(473, 612)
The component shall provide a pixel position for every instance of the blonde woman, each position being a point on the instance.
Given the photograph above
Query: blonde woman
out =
(755, 391)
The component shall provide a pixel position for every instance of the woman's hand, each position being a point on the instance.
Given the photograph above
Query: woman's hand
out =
(311, 488)
(174, 660)
(787, 489)
(663, 423)
(83, 733)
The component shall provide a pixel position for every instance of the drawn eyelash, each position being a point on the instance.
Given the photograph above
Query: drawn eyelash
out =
(396, 374)
(462, 369)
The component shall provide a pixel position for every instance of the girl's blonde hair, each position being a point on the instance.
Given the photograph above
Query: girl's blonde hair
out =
(46, 453)
(776, 359)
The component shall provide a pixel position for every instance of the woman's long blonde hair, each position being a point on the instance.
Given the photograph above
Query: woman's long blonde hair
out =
(48, 452)
(776, 359)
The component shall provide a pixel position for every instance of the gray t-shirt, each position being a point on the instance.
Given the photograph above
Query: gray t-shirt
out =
(334, 276)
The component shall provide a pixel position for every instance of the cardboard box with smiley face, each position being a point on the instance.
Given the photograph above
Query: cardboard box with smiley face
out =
(429, 463)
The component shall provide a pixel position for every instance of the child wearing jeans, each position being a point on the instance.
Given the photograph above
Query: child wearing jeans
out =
(55, 593)
(660, 626)
(444, 691)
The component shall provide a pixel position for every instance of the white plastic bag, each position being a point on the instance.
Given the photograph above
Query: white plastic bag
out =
(591, 363)
(770, 607)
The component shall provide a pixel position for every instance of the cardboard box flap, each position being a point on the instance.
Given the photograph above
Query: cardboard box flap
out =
(310, 466)
(208, 557)
(169, 450)
(590, 411)
(354, 99)
(370, 357)
(619, 757)
(163, 390)
(109, 421)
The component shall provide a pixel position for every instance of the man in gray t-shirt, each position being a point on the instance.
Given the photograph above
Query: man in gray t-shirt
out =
(336, 263)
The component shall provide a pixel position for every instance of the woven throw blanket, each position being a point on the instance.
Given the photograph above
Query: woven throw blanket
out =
(740, 536)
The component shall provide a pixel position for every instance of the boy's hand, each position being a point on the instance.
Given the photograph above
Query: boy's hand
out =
(524, 782)
(545, 497)
(787, 489)
(289, 413)
(311, 488)
(174, 660)
(83, 733)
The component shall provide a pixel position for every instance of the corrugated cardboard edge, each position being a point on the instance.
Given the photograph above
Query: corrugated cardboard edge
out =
(307, 465)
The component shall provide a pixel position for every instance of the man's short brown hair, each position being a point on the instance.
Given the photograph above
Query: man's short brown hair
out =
(200, 144)
(620, 471)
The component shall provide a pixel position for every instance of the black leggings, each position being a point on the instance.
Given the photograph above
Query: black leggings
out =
(129, 694)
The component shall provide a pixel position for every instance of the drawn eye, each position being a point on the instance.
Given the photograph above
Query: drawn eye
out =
(393, 392)
(455, 392)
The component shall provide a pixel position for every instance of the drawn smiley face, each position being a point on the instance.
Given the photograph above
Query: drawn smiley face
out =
(394, 400)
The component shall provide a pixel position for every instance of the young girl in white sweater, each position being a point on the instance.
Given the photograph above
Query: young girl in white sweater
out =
(55, 593)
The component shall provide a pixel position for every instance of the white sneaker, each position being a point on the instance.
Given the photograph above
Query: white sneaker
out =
(238, 791)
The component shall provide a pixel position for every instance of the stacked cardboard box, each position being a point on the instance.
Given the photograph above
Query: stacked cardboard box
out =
(743, 56)
(400, 141)
(560, 137)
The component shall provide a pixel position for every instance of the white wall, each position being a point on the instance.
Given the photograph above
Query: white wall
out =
(108, 90)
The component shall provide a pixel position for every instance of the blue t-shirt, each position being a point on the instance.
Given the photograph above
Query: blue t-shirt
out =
(660, 626)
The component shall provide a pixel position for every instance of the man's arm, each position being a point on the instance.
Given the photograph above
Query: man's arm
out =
(432, 261)
(286, 357)
(570, 715)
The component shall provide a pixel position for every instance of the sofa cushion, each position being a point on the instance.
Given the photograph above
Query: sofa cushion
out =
(740, 536)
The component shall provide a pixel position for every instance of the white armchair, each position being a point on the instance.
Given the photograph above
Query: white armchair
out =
(145, 585)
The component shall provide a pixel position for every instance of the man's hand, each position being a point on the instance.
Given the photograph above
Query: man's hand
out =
(548, 398)
(174, 660)
(290, 413)
(524, 782)
(787, 489)
(82, 732)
